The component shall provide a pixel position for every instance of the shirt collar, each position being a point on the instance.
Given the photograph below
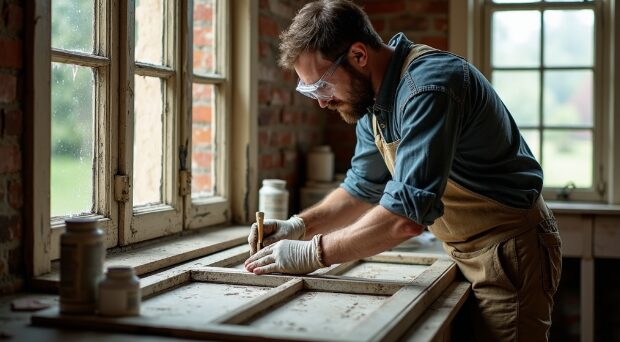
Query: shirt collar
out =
(387, 91)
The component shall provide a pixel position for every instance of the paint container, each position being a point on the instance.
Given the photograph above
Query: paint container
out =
(320, 164)
(273, 199)
(82, 253)
(119, 292)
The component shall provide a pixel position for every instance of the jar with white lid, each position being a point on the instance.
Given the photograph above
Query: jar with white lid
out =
(119, 292)
(320, 164)
(273, 199)
(82, 253)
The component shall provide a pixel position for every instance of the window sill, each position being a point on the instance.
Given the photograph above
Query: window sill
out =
(583, 208)
(211, 247)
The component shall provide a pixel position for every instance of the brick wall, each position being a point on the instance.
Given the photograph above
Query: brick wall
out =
(288, 123)
(11, 193)
(423, 21)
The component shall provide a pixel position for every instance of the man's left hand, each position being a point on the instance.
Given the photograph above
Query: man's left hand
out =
(287, 256)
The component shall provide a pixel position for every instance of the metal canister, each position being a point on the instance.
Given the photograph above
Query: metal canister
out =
(82, 253)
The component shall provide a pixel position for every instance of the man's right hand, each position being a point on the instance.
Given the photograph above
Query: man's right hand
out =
(276, 230)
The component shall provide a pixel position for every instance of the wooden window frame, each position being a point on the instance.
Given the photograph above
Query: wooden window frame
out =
(469, 36)
(114, 54)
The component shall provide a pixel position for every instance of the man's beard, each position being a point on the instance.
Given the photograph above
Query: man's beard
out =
(360, 97)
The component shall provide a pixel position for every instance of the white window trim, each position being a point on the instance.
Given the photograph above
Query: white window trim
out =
(466, 39)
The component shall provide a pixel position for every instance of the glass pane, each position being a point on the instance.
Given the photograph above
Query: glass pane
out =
(568, 98)
(567, 158)
(72, 140)
(148, 153)
(520, 92)
(73, 25)
(516, 39)
(203, 143)
(204, 36)
(569, 38)
(532, 138)
(150, 31)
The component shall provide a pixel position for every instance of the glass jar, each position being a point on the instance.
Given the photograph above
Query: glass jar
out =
(82, 253)
(119, 292)
(273, 199)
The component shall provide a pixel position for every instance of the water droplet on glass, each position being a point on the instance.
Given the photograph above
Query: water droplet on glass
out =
(74, 69)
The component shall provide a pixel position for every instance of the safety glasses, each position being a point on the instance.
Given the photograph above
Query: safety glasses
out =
(321, 89)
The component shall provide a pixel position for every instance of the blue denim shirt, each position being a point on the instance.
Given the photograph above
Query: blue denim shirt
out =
(451, 124)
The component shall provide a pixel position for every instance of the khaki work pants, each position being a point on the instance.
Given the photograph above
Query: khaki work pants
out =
(513, 284)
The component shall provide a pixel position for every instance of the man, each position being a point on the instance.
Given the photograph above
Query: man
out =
(436, 148)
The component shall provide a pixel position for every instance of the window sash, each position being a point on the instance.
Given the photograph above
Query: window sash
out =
(598, 190)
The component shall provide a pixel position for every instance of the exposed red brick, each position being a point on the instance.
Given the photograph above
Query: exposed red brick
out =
(429, 6)
(384, 7)
(201, 136)
(378, 24)
(441, 24)
(263, 48)
(10, 53)
(202, 91)
(202, 113)
(13, 17)
(290, 117)
(8, 88)
(436, 42)
(15, 193)
(289, 157)
(268, 26)
(203, 36)
(264, 162)
(410, 23)
(280, 96)
(264, 95)
(11, 158)
(202, 182)
(12, 120)
(203, 12)
(203, 60)
(264, 4)
(202, 159)
(263, 139)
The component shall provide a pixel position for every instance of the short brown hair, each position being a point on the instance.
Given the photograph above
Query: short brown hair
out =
(329, 27)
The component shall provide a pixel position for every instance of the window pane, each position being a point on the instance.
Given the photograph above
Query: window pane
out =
(203, 146)
(72, 25)
(148, 155)
(532, 138)
(72, 140)
(567, 157)
(568, 98)
(204, 36)
(569, 38)
(516, 39)
(150, 31)
(520, 92)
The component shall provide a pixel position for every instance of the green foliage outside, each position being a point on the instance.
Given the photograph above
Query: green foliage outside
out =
(72, 111)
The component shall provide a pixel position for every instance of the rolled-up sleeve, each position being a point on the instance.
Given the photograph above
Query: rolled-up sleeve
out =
(429, 124)
(368, 174)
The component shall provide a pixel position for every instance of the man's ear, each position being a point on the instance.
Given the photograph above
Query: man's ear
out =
(358, 55)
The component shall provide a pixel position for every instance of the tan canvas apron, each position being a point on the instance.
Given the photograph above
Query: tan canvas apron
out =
(510, 255)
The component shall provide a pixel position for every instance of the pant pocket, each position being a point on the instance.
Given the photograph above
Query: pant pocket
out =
(484, 268)
(551, 260)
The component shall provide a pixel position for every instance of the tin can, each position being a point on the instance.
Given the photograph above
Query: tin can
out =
(82, 253)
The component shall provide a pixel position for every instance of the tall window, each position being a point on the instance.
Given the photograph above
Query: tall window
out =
(543, 60)
(138, 116)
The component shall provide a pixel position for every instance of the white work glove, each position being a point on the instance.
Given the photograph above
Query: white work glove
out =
(287, 256)
(276, 230)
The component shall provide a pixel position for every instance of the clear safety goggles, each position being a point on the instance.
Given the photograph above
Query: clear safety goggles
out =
(321, 89)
